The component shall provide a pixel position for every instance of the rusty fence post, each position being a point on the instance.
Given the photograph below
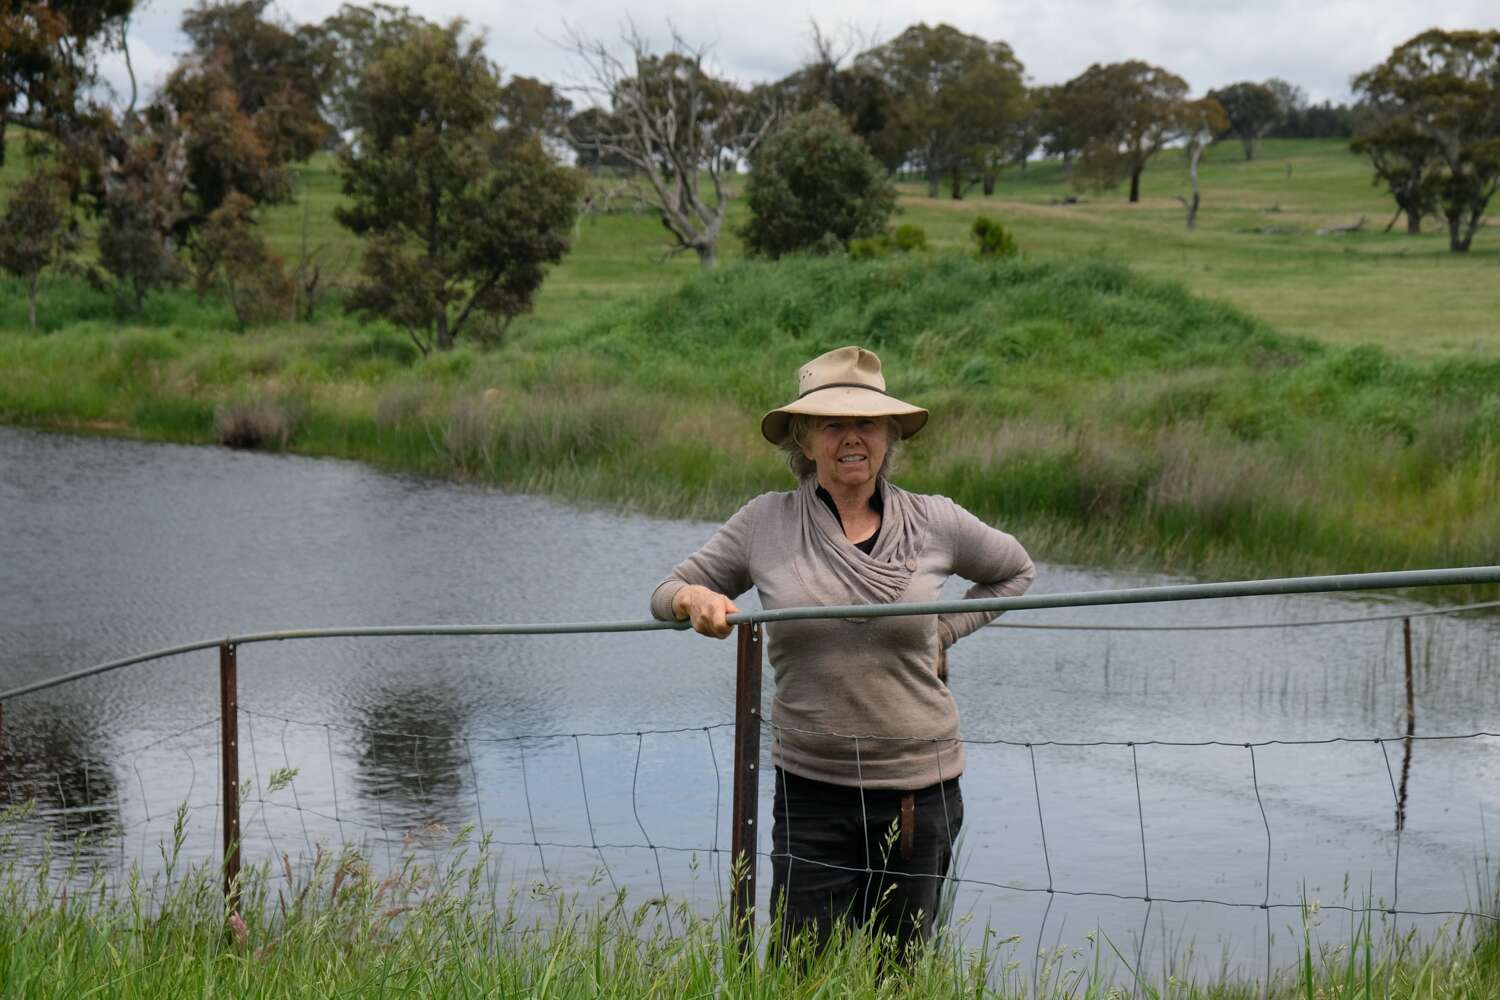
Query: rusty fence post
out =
(1411, 725)
(229, 756)
(747, 722)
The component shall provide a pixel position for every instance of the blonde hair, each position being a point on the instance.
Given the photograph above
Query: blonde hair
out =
(799, 431)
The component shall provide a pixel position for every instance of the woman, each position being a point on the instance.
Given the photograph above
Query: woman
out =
(865, 731)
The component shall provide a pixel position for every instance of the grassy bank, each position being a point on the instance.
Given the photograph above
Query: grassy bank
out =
(1104, 417)
(344, 929)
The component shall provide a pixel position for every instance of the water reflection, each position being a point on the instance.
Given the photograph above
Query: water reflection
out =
(57, 760)
(409, 751)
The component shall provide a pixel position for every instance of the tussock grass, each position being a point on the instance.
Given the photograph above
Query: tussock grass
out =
(259, 423)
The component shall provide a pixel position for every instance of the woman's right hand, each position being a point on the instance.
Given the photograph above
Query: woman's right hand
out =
(706, 609)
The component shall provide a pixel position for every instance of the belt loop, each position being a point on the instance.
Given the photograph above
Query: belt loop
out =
(908, 824)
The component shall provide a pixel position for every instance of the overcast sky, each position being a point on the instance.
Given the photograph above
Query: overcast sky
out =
(1317, 44)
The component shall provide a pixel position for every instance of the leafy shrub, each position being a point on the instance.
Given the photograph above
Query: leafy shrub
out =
(813, 184)
(908, 238)
(993, 239)
(903, 239)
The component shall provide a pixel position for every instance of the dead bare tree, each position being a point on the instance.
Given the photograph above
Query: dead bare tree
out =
(675, 124)
(1200, 121)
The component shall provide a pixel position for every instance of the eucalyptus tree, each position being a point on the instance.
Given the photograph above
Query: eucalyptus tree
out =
(49, 61)
(1121, 115)
(956, 98)
(277, 71)
(1253, 109)
(1437, 98)
(459, 217)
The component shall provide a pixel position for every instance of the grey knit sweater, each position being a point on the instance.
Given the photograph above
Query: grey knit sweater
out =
(858, 701)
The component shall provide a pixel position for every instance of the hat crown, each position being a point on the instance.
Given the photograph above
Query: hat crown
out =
(842, 366)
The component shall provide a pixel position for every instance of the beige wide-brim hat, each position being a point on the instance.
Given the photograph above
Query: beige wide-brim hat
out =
(843, 383)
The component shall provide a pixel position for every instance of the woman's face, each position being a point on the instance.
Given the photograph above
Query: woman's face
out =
(848, 451)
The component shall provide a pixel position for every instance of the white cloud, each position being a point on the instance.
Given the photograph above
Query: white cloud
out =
(1317, 44)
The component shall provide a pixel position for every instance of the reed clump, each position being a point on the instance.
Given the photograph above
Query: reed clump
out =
(256, 423)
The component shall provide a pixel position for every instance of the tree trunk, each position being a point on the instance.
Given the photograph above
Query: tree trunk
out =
(708, 254)
(444, 335)
(1413, 220)
(934, 181)
(990, 177)
(1457, 241)
(1135, 186)
(1248, 142)
(956, 182)
(1192, 209)
(234, 302)
(31, 298)
(1476, 219)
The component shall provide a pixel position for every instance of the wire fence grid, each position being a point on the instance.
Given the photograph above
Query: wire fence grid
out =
(303, 795)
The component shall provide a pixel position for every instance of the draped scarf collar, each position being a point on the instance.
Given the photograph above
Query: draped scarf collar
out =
(835, 572)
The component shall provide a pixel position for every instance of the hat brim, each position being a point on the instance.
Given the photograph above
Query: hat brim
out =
(843, 401)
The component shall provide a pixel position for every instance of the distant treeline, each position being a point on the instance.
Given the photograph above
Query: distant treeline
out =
(1315, 121)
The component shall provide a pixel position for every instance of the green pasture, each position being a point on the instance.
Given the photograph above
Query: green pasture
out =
(1256, 245)
(1407, 294)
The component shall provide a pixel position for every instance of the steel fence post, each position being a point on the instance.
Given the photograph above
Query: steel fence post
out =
(229, 756)
(747, 722)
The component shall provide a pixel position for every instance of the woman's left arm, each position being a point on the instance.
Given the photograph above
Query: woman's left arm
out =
(993, 560)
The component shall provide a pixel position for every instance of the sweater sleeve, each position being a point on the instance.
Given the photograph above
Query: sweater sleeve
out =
(993, 560)
(722, 565)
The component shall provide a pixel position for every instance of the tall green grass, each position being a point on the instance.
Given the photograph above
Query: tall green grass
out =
(342, 928)
(1102, 416)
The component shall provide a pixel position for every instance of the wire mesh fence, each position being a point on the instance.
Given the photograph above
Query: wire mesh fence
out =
(1124, 834)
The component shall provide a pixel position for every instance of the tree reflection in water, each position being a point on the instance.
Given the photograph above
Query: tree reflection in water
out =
(51, 756)
(410, 753)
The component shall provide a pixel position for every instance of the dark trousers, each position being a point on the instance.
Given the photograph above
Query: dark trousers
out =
(837, 854)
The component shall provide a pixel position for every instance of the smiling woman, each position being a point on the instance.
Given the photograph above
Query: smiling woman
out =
(865, 730)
